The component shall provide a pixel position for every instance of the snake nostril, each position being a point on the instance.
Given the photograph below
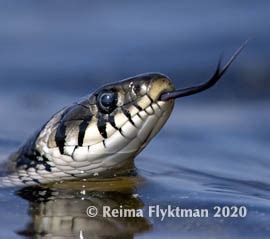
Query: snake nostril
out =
(137, 88)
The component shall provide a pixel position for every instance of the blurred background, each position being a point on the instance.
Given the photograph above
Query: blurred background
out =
(217, 142)
(70, 48)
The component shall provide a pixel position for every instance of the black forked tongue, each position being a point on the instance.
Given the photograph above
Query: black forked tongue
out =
(204, 86)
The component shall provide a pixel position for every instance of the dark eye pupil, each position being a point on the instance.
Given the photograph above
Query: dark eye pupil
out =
(107, 101)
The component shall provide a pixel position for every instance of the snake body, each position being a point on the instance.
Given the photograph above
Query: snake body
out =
(97, 135)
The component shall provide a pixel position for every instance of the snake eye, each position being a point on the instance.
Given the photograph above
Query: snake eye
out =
(107, 100)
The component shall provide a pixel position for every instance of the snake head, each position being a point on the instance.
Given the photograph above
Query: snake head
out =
(108, 128)
(132, 109)
(140, 91)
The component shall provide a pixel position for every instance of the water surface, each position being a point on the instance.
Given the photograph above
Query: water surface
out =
(206, 156)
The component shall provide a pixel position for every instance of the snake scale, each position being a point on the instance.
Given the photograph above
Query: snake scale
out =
(100, 134)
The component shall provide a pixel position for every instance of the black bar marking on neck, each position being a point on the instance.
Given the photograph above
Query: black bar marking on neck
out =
(139, 116)
(150, 98)
(127, 114)
(138, 107)
(72, 155)
(112, 122)
(101, 124)
(82, 128)
(121, 132)
(60, 136)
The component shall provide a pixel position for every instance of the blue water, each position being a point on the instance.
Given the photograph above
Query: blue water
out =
(214, 150)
